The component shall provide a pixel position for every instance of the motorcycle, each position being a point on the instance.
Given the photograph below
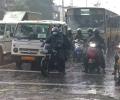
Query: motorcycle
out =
(78, 50)
(92, 58)
(51, 60)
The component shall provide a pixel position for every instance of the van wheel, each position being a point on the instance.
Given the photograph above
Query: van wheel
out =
(1, 57)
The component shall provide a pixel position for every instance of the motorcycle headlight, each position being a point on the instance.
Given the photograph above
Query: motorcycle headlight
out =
(92, 44)
(118, 46)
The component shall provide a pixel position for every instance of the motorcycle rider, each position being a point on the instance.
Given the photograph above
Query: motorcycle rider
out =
(79, 40)
(70, 37)
(69, 34)
(58, 42)
(90, 32)
(116, 68)
(101, 45)
(79, 35)
(98, 39)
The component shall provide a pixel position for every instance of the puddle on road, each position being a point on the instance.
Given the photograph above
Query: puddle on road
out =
(40, 96)
(89, 87)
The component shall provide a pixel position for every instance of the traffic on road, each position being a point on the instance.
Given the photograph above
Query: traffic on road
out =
(42, 58)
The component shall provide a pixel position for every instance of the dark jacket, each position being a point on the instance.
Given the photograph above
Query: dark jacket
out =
(59, 42)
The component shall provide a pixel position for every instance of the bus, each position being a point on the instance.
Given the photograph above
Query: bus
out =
(88, 17)
(28, 39)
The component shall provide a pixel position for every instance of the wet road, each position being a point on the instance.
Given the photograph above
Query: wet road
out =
(74, 85)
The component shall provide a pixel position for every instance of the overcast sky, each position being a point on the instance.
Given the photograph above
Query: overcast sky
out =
(113, 5)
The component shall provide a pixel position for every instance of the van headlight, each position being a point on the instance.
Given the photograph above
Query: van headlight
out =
(92, 44)
(15, 50)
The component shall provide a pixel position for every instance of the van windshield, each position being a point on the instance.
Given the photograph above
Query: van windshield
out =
(31, 31)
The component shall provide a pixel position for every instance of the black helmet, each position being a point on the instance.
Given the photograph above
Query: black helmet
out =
(90, 30)
(55, 30)
(96, 32)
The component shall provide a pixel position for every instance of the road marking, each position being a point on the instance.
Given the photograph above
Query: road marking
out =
(39, 72)
(29, 71)
(53, 84)
(7, 65)
(24, 71)
(69, 95)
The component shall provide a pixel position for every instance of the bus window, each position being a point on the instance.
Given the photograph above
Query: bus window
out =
(2, 29)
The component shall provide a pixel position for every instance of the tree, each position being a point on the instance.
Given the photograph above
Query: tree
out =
(20, 6)
(45, 7)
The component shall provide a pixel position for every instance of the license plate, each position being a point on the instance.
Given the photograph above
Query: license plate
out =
(90, 61)
(28, 58)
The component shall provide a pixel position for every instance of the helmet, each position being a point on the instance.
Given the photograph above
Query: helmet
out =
(55, 30)
(90, 30)
(79, 31)
(69, 29)
(96, 32)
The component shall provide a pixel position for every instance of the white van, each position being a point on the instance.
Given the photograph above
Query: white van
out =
(8, 26)
(6, 35)
(28, 40)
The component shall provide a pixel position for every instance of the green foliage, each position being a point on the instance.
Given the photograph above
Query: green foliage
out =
(20, 6)
(45, 7)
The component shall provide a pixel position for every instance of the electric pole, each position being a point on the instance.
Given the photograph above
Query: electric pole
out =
(86, 3)
(62, 17)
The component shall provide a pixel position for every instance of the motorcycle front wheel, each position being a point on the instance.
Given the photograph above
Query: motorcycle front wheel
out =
(44, 66)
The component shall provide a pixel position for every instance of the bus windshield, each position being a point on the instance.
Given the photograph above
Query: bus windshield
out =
(31, 31)
(2, 29)
(86, 19)
(89, 21)
(10, 27)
